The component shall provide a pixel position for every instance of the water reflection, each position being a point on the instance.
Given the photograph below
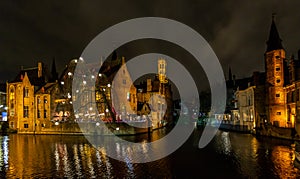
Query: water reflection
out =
(228, 155)
(262, 157)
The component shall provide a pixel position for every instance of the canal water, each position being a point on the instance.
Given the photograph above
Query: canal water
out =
(228, 155)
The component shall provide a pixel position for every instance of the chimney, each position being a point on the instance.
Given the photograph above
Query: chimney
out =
(123, 60)
(40, 69)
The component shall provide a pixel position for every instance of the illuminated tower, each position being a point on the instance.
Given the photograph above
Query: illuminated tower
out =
(162, 64)
(274, 66)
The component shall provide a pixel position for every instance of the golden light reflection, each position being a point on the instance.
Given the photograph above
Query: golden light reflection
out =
(226, 142)
(283, 159)
(77, 160)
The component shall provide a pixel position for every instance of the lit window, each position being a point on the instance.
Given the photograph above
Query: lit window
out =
(12, 94)
(38, 100)
(128, 96)
(98, 96)
(45, 100)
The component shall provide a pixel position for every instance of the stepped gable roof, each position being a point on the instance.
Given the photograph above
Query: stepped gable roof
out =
(32, 74)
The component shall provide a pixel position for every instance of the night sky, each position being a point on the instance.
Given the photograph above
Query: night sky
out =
(236, 30)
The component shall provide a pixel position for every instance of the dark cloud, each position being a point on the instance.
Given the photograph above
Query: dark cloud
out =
(236, 30)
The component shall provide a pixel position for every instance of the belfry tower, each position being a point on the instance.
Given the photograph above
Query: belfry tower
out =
(162, 70)
(274, 67)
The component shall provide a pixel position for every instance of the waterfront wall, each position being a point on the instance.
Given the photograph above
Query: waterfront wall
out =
(117, 128)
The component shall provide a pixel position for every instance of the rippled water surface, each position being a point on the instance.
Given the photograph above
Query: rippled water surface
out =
(230, 154)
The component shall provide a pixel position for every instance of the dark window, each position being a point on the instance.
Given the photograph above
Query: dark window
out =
(277, 57)
(45, 100)
(278, 81)
(277, 95)
(26, 92)
(38, 100)
(277, 68)
(278, 113)
(38, 113)
(293, 96)
(25, 125)
(43, 125)
(26, 111)
(45, 113)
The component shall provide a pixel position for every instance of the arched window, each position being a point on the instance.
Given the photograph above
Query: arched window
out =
(45, 100)
(38, 100)
(26, 92)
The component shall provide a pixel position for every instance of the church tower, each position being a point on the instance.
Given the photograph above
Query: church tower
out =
(54, 74)
(162, 64)
(274, 66)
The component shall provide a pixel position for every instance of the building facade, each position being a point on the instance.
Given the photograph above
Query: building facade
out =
(270, 98)
(42, 102)
(21, 98)
(154, 97)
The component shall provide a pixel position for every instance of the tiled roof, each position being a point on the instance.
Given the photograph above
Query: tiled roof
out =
(32, 74)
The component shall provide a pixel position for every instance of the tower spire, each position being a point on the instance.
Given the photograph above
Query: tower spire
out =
(273, 16)
(274, 41)
(230, 74)
(54, 73)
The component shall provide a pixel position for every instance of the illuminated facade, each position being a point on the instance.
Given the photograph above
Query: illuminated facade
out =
(270, 98)
(246, 115)
(21, 98)
(124, 92)
(275, 81)
(42, 103)
(274, 101)
(32, 99)
(154, 97)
